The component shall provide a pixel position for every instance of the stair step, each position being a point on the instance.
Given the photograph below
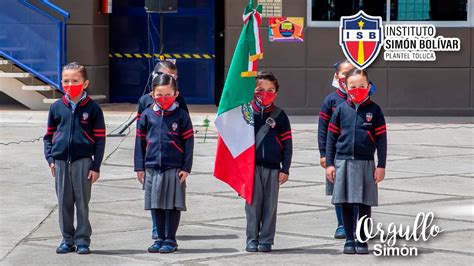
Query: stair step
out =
(32, 61)
(5, 62)
(12, 49)
(38, 88)
(15, 75)
(93, 97)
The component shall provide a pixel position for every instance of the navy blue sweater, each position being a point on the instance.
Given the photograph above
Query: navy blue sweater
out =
(146, 101)
(164, 140)
(356, 132)
(75, 134)
(277, 147)
(329, 106)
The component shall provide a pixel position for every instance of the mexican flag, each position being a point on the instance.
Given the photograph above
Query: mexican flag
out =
(235, 156)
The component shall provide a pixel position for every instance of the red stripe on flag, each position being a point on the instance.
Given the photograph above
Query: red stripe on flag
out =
(237, 172)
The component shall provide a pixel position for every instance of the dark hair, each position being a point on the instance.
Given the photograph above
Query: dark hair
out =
(337, 65)
(267, 75)
(164, 64)
(355, 72)
(78, 67)
(164, 80)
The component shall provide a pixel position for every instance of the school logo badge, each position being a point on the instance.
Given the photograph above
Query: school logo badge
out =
(368, 117)
(361, 37)
(85, 115)
(174, 126)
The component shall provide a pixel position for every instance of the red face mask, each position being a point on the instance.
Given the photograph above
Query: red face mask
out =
(165, 102)
(358, 95)
(265, 98)
(73, 90)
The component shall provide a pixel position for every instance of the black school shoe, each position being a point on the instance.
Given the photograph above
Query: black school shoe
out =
(349, 247)
(155, 248)
(83, 249)
(169, 246)
(65, 248)
(252, 246)
(361, 248)
(264, 247)
(340, 232)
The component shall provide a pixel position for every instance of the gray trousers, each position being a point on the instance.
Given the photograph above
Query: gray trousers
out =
(73, 188)
(262, 214)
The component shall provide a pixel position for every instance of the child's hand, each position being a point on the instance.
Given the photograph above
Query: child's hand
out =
(141, 176)
(331, 173)
(379, 175)
(322, 162)
(182, 176)
(53, 170)
(93, 176)
(282, 178)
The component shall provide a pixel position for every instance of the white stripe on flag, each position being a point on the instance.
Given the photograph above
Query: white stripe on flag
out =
(236, 133)
(256, 32)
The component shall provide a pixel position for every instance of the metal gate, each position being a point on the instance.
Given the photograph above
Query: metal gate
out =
(188, 37)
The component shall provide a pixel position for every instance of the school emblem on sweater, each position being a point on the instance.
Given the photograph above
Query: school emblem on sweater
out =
(368, 117)
(174, 126)
(85, 115)
(360, 37)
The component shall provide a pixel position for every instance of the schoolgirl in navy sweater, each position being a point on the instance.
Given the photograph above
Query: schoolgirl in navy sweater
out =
(356, 131)
(327, 108)
(164, 149)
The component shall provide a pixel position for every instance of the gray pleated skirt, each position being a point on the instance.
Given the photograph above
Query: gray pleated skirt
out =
(355, 183)
(163, 190)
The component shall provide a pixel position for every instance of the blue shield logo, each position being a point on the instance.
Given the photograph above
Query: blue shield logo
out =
(360, 37)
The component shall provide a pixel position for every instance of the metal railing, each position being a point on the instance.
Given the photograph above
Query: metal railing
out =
(33, 39)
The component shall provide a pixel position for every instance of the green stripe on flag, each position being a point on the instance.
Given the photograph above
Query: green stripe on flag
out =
(239, 90)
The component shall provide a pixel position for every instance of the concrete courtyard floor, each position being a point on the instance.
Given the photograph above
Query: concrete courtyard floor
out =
(430, 168)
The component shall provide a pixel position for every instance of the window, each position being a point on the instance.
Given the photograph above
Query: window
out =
(439, 12)
(332, 10)
(432, 10)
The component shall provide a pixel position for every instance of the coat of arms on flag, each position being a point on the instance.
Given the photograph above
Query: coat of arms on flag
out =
(360, 37)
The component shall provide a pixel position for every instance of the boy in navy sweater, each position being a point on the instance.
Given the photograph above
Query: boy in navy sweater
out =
(74, 147)
(273, 159)
(329, 105)
(356, 131)
(164, 149)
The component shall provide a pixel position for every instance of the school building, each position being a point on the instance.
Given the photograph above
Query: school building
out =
(119, 42)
